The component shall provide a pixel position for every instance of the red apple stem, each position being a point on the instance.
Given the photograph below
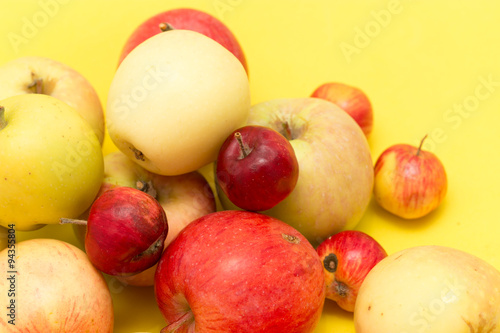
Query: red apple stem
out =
(37, 84)
(165, 26)
(420, 146)
(243, 147)
(174, 326)
(72, 221)
(3, 121)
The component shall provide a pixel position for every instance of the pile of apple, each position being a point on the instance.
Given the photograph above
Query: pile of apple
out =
(293, 177)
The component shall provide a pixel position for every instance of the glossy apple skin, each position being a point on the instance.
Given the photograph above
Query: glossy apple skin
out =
(263, 175)
(350, 99)
(186, 19)
(409, 185)
(238, 271)
(347, 258)
(125, 231)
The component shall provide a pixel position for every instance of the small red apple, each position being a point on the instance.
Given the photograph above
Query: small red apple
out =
(347, 258)
(409, 182)
(186, 19)
(126, 230)
(256, 168)
(239, 271)
(351, 99)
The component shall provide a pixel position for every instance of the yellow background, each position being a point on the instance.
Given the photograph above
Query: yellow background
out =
(417, 67)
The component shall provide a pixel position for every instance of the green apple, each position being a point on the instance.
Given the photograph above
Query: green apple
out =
(51, 162)
(335, 165)
(432, 289)
(27, 75)
(174, 100)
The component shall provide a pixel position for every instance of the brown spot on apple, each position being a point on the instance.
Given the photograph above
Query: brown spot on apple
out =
(290, 238)
(331, 262)
(138, 154)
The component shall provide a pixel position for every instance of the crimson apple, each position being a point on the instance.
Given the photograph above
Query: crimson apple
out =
(126, 229)
(347, 258)
(351, 99)
(187, 19)
(240, 271)
(409, 182)
(256, 168)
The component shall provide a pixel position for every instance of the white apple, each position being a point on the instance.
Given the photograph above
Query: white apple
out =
(431, 289)
(184, 198)
(51, 162)
(51, 286)
(27, 75)
(335, 165)
(173, 101)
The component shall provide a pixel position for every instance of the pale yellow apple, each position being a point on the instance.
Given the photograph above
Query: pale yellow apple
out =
(21, 75)
(335, 165)
(173, 101)
(51, 162)
(53, 287)
(432, 289)
(3, 238)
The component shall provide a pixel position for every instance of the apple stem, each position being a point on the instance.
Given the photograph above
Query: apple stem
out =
(3, 121)
(165, 26)
(174, 326)
(243, 147)
(420, 146)
(287, 131)
(38, 85)
(146, 187)
(72, 221)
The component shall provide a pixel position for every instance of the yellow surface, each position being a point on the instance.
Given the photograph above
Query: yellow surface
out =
(419, 66)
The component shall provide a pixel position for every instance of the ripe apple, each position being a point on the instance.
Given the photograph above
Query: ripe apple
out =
(431, 289)
(27, 75)
(347, 258)
(126, 229)
(55, 289)
(186, 19)
(51, 162)
(256, 168)
(174, 100)
(409, 182)
(336, 172)
(350, 99)
(238, 271)
(4, 234)
(184, 198)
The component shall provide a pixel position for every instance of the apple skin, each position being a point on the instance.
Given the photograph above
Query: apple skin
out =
(126, 230)
(59, 81)
(52, 164)
(238, 271)
(350, 99)
(409, 182)
(347, 258)
(186, 19)
(256, 169)
(335, 180)
(57, 289)
(174, 100)
(431, 289)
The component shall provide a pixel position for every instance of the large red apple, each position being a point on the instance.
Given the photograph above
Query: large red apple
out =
(238, 271)
(188, 19)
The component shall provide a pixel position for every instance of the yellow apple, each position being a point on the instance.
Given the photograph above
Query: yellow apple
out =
(173, 101)
(51, 286)
(51, 162)
(432, 289)
(3, 238)
(26, 75)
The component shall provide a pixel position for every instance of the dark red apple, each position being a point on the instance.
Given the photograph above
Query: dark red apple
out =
(187, 19)
(126, 230)
(256, 168)
(351, 99)
(347, 258)
(239, 271)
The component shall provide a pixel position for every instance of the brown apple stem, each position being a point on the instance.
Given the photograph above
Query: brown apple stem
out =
(3, 121)
(72, 221)
(420, 146)
(38, 85)
(174, 326)
(287, 131)
(146, 187)
(165, 26)
(243, 147)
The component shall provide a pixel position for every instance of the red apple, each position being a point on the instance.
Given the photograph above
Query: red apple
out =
(126, 230)
(351, 99)
(347, 258)
(186, 19)
(239, 271)
(409, 182)
(256, 168)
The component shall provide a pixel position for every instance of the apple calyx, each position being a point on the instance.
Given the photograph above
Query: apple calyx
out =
(331, 262)
(64, 220)
(420, 146)
(3, 121)
(146, 187)
(165, 26)
(244, 149)
(174, 326)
